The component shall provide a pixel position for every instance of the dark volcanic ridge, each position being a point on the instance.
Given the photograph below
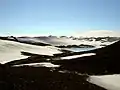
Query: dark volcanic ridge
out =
(106, 61)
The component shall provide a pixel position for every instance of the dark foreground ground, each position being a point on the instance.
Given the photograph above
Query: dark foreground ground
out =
(29, 78)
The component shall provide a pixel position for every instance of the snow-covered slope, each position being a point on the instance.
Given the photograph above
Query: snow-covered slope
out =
(10, 50)
(110, 82)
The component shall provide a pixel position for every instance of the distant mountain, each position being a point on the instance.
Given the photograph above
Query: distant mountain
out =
(64, 40)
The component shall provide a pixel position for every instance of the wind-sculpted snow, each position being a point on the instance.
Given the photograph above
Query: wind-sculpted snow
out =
(10, 50)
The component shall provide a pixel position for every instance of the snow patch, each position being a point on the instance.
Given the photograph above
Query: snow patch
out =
(110, 82)
(78, 56)
(43, 64)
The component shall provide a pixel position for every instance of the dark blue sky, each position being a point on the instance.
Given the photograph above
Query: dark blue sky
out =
(58, 17)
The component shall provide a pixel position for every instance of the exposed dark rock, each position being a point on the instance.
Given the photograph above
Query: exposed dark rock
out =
(29, 78)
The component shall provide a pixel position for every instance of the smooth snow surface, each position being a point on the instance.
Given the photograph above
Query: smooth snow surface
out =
(109, 82)
(44, 64)
(10, 50)
(78, 56)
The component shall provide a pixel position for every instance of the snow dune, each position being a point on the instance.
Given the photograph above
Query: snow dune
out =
(109, 82)
(10, 50)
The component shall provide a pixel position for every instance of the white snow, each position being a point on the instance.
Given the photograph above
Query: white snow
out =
(10, 50)
(78, 56)
(44, 64)
(109, 82)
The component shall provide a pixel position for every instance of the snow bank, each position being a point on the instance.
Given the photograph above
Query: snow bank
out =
(44, 64)
(78, 56)
(110, 82)
(10, 50)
